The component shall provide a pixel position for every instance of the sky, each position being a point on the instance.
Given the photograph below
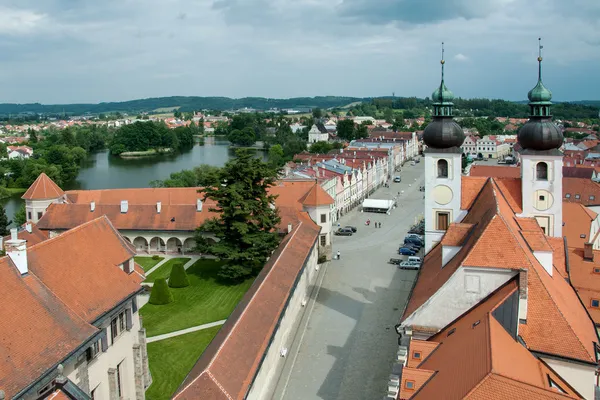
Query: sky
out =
(89, 51)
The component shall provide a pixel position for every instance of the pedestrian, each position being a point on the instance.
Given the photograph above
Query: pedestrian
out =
(338, 255)
(380, 224)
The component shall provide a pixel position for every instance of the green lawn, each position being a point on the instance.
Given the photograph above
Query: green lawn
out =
(147, 262)
(202, 302)
(172, 359)
(165, 270)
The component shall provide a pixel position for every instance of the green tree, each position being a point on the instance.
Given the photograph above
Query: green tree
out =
(4, 222)
(388, 115)
(317, 113)
(345, 129)
(177, 114)
(247, 224)
(362, 131)
(320, 148)
(160, 294)
(207, 175)
(32, 136)
(20, 216)
(178, 277)
(276, 155)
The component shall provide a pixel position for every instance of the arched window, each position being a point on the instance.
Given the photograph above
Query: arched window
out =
(541, 171)
(442, 166)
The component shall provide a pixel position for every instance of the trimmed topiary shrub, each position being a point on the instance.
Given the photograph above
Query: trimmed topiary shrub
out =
(161, 294)
(178, 277)
(155, 257)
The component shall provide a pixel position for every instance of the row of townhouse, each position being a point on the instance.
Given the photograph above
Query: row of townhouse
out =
(489, 146)
(348, 177)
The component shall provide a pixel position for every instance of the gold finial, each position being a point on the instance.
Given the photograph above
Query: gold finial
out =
(442, 62)
(540, 50)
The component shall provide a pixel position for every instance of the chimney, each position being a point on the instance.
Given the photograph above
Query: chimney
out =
(199, 205)
(158, 206)
(28, 227)
(16, 249)
(92, 206)
(588, 252)
(124, 206)
(522, 312)
(289, 228)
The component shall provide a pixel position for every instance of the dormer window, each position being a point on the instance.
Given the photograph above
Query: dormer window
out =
(577, 196)
(595, 303)
(409, 385)
(541, 171)
(442, 167)
(417, 355)
(568, 196)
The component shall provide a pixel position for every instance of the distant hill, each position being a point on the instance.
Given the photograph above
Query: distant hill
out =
(185, 103)
(574, 109)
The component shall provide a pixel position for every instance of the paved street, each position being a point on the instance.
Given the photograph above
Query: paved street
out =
(346, 348)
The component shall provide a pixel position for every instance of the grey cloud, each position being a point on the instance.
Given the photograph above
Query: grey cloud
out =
(416, 11)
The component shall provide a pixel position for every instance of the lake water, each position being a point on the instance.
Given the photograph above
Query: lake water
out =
(103, 171)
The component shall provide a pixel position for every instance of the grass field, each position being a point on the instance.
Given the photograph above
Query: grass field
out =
(165, 270)
(204, 301)
(147, 262)
(172, 359)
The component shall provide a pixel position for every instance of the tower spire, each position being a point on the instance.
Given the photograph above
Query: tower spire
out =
(442, 62)
(540, 59)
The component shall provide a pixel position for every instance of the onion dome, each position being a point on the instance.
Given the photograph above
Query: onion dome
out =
(443, 132)
(540, 133)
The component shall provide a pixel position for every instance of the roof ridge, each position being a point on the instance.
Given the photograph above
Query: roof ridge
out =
(69, 232)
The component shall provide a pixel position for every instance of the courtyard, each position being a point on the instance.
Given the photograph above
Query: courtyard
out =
(346, 344)
(177, 333)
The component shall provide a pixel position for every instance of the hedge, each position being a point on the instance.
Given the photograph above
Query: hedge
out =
(178, 277)
(161, 294)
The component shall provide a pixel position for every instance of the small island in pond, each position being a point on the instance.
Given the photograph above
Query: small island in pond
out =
(142, 139)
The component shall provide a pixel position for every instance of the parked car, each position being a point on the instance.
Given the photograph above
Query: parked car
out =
(409, 265)
(411, 246)
(397, 179)
(412, 163)
(405, 251)
(414, 259)
(414, 240)
(415, 235)
(343, 232)
(352, 228)
(417, 160)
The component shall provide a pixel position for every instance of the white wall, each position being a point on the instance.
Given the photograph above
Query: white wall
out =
(581, 377)
(120, 351)
(530, 185)
(465, 288)
(272, 365)
(432, 235)
(35, 206)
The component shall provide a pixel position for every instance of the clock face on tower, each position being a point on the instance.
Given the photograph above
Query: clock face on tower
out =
(442, 194)
(543, 200)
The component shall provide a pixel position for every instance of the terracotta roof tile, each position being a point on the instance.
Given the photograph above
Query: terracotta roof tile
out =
(36, 236)
(39, 330)
(585, 281)
(412, 380)
(495, 171)
(580, 190)
(91, 282)
(470, 188)
(536, 241)
(558, 254)
(577, 220)
(528, 224)
(246, 335)
(498, 387)
(316, 196)
(456, 234)
(476, 347)
(512, 192)
(422, 348)
(43, 188)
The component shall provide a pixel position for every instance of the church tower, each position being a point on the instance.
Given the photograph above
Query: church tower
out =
(443, 166)
(541, 160)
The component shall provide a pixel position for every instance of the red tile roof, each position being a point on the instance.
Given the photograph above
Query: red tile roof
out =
(91, 282)
(456, 234)
(577, 220)
(316, 196)
(43, 188)
(581, 190)
(477, 358)
(246, 336)
(72, 279)
(495, 171)
(498, 241)
(36, 236)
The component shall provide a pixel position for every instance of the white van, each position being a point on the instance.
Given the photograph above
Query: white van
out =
(414, 259)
